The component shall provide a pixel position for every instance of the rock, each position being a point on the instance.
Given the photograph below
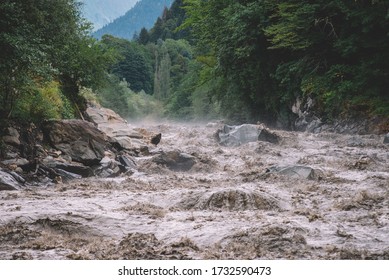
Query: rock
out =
(17, 177)
(386, 139)
(65, 175)
(127, 162)
(8, 182)
(245, 133)
(175, 160)
(12, 138)
(116, 127)
(297, 171)
(81, 170)
(156, 139)
(80, 140)
(306, 119)
(109, 168)
(15, 161)
(230, 200)
(268, 136)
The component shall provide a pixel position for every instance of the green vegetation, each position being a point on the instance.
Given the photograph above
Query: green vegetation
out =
(46, 55)
(245, 60)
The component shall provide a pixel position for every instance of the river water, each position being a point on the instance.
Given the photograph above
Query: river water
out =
(227, 206)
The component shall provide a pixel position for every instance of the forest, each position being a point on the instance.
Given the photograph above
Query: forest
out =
(242, 60)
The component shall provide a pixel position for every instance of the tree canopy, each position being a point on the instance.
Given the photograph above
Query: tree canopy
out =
(43, 41)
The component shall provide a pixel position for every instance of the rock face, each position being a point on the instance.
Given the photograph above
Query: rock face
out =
(116, 127)
(245, 133)
(80, 140)
(8, 182)
(306, 120)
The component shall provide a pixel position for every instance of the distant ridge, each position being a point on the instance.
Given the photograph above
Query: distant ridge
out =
(102, 12)
(143, 14)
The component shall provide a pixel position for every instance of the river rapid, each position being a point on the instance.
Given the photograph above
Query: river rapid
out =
(229, 205)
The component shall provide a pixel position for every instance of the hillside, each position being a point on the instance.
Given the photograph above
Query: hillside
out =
(102, 12)
(143, 14)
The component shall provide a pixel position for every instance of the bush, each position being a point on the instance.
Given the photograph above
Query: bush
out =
(42, 102)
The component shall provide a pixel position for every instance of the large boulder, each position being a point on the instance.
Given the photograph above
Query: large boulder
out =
(245, 133)
(175, 160)
(116, 127)
(8, 182)
(80, 140)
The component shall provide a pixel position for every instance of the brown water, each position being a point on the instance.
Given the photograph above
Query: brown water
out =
(225, 207)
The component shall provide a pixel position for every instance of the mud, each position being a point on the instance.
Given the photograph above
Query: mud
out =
(227, 206)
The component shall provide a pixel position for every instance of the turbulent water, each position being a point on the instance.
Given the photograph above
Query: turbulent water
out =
(228, 206)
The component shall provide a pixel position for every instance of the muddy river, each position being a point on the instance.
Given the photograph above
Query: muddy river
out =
(229, 205)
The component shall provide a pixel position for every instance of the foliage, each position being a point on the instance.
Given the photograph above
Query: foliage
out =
(133, 64)
(42, 103)
(44, 41)
(118, 96)
(269, 52)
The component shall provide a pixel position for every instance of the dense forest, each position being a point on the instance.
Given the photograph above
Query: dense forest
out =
(245, 60)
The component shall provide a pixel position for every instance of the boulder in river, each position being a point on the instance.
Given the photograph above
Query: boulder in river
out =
(80, 140)
(245, 133)
(175, 160)
(8, 182)
(116, 127)
(297, 171)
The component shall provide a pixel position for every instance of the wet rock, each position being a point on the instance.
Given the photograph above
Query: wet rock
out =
(12, 137)
(175, 160)
(386, 139)
(268, 136)
(297, 171)
(116, 127)
(306, 119)
(74, 168)
(16, 161)
(355, 141)
(8, 182)
(156, 139)
(17, 177)
(108, 168)
(65, 175)
(230, 200)
(80, 140)
(238, 135)
(127, 161)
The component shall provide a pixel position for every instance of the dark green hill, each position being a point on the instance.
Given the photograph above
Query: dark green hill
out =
(102, 12)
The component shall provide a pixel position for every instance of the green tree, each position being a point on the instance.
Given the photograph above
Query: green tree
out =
(42, 41)
(134, 65)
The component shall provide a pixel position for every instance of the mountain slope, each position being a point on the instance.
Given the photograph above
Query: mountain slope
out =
(102, 12)
(143, 14)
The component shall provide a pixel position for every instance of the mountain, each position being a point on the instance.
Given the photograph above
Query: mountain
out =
(143, 14)
(102, 12)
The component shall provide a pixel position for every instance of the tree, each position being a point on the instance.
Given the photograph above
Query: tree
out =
(144, 37)
(42, 41)
(133, 65)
